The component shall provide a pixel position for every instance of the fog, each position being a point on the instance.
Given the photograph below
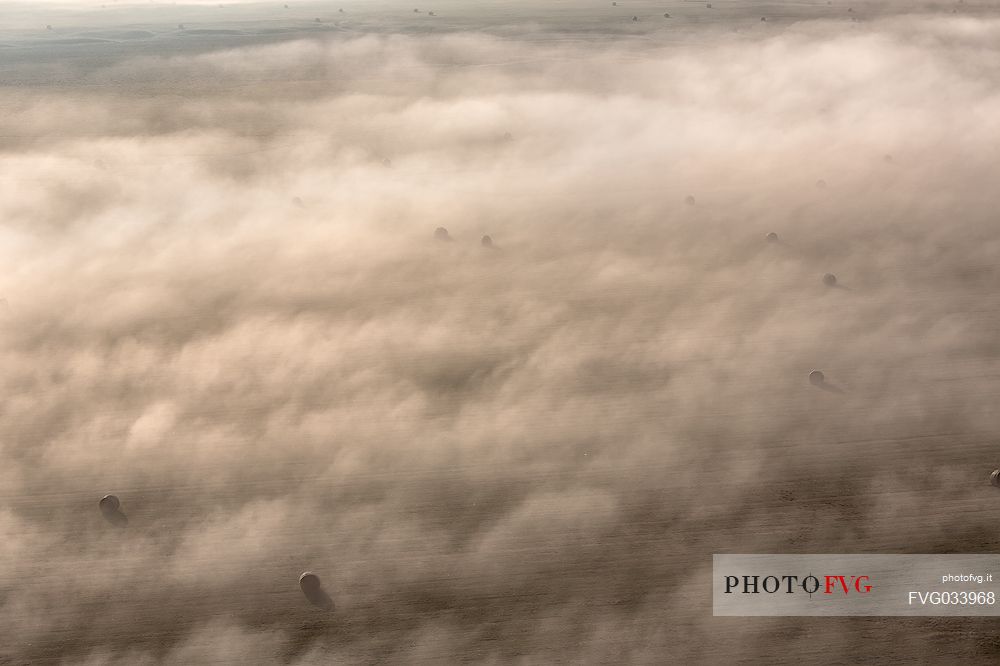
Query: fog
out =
(225, 304)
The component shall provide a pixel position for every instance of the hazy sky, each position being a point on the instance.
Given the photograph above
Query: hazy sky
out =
(224, 304)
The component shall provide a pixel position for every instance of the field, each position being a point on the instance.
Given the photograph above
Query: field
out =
(226, 303)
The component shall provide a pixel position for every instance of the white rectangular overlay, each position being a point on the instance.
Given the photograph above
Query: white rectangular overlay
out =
(856, 585)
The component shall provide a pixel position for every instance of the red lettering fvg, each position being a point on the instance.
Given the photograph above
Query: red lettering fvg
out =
(858, 584)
